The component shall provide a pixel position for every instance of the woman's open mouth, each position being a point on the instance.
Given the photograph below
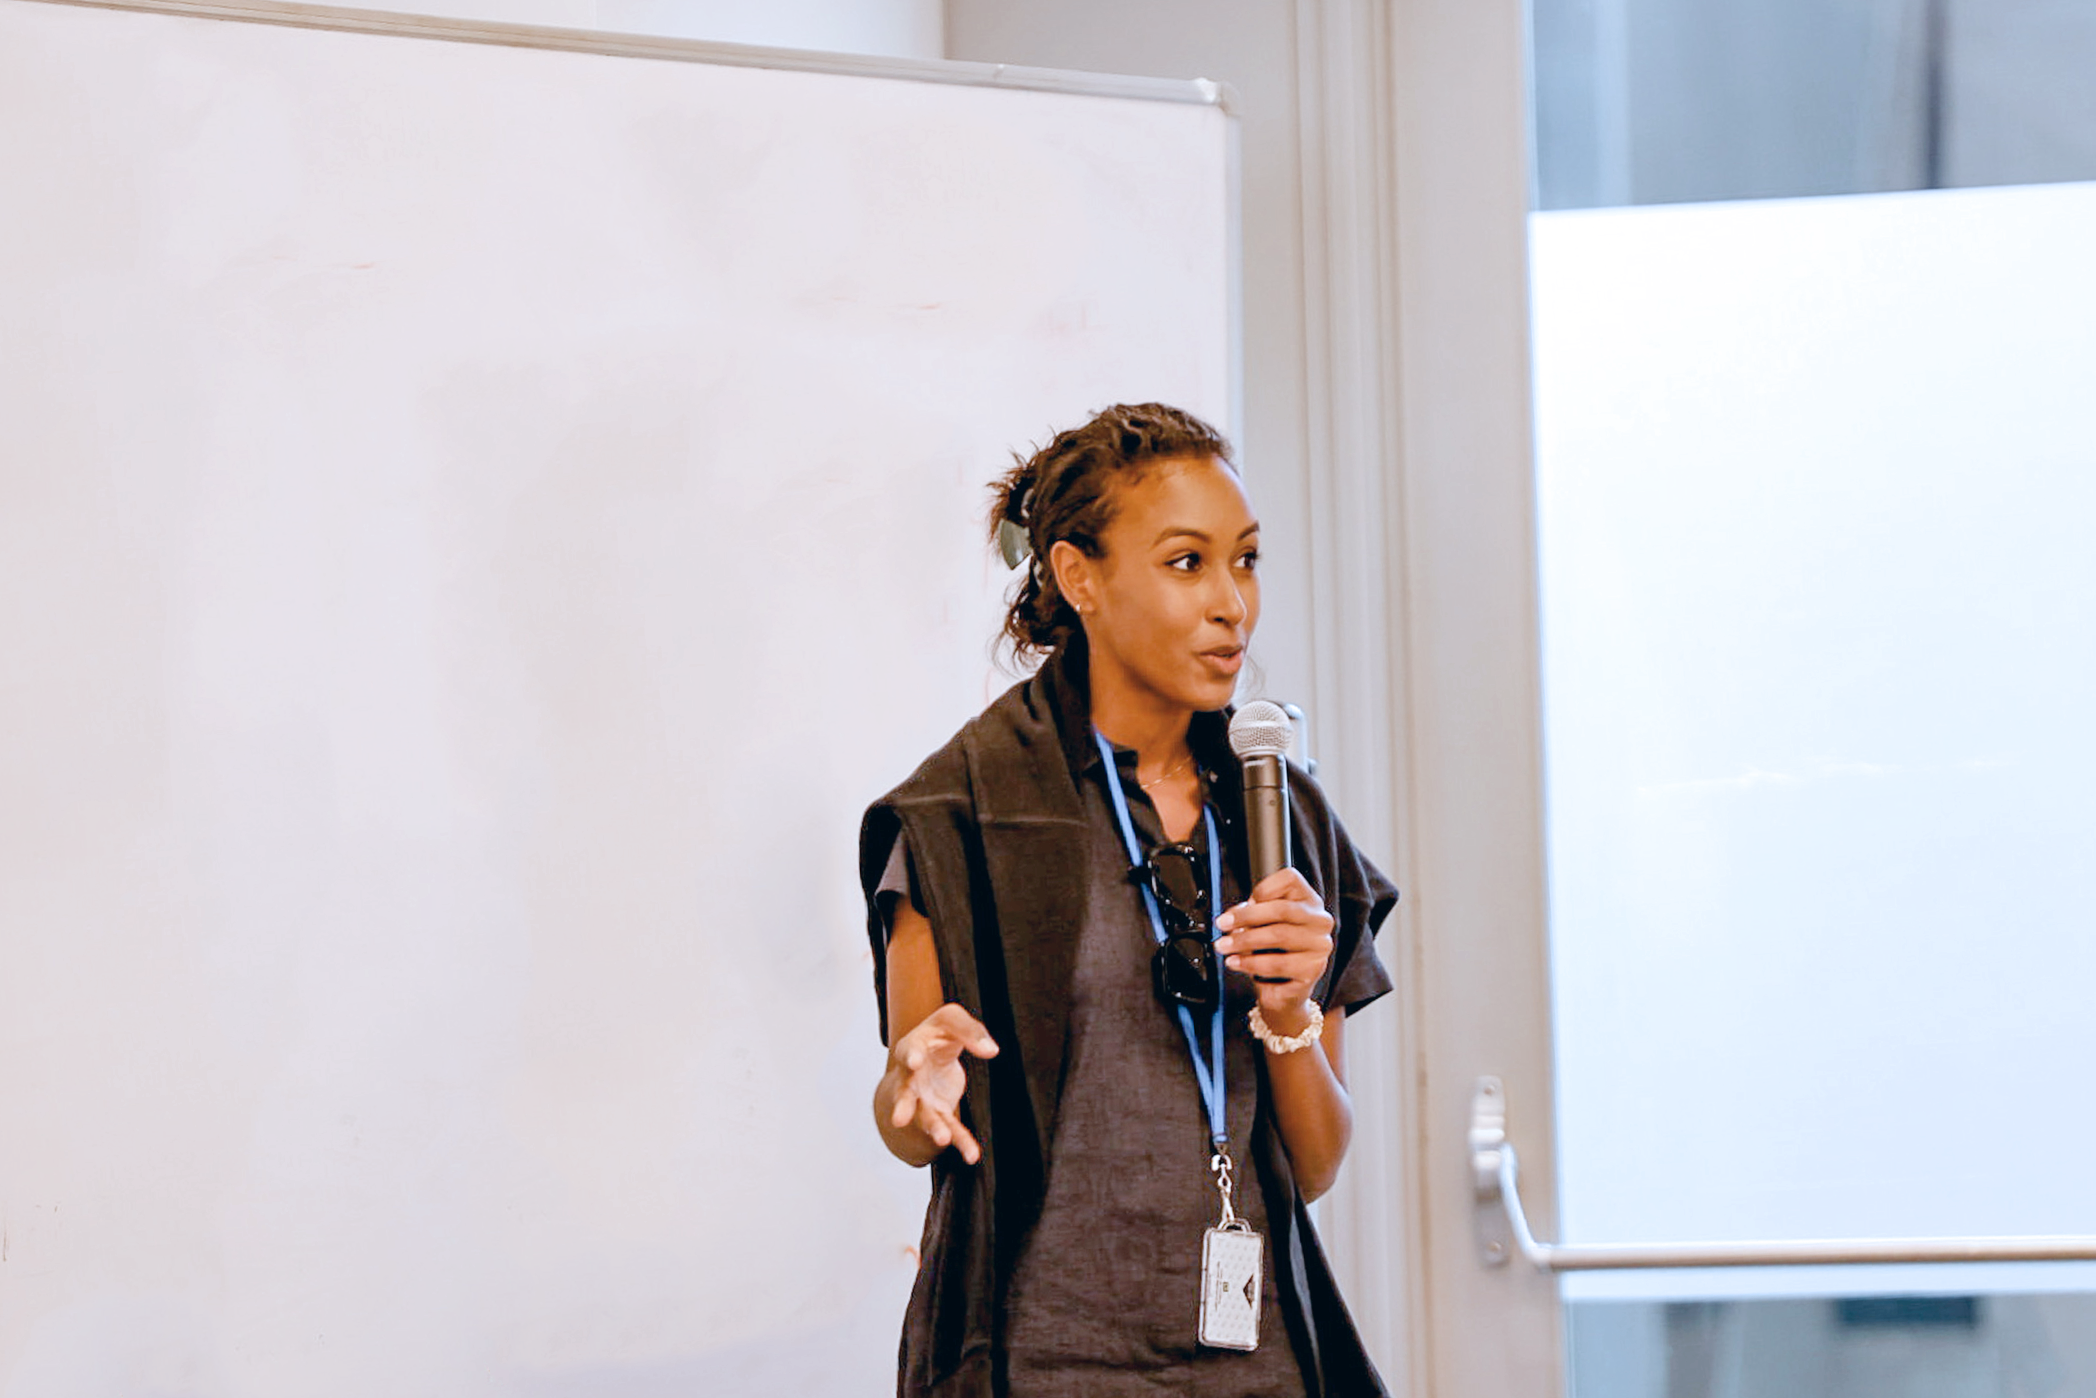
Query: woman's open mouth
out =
(1224, 660)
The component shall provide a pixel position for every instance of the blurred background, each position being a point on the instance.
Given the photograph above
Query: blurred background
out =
(1674, 424)
(1663, 101)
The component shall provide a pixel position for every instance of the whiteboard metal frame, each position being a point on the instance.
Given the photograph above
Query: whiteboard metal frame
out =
(611, 43)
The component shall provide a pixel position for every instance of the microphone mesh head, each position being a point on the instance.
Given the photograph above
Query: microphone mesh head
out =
(1260, 729)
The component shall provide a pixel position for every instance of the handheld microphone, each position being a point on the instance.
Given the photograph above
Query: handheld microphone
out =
(1260, 735)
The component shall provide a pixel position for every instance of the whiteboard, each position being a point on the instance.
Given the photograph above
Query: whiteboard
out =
(477, 524)
(1814, 483)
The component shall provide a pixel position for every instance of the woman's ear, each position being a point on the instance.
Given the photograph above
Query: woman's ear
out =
(1076, 575)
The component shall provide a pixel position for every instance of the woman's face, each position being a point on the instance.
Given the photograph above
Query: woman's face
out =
(1170, 607)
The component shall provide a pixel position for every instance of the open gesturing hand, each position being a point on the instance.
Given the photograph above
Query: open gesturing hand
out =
(931, 1080)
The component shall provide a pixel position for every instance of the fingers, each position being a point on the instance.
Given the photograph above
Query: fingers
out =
(943, 1126)
(1309, 913)
(940, 1039)
(932, 1081)
(1281, 938)
(964, 1029)
(1301, 968)
(1285, 885)
(1283, 897)
(1277, 936)
(905, 1109)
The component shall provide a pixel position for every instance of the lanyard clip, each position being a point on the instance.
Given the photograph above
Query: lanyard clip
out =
(1225, 1185)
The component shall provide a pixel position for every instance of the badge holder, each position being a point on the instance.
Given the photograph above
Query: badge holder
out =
(1230, 1272)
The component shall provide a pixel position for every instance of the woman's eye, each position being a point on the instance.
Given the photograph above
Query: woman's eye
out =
(1249, 561)
(1185, 562)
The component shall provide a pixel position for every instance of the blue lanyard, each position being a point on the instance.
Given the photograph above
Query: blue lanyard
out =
(1210, 1074)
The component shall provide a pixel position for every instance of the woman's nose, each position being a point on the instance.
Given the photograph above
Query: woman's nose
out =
(1228, 605)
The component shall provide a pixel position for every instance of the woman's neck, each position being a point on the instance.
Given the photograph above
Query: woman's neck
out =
(1131, 718)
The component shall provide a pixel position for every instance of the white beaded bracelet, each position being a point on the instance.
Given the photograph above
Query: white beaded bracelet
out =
(1275, 1043)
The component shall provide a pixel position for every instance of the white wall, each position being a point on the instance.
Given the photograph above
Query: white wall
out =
(1249, 44)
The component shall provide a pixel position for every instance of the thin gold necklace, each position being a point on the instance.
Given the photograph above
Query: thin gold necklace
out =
(1181, 765)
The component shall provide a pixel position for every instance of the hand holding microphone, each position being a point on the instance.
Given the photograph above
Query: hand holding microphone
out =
(1281, 936)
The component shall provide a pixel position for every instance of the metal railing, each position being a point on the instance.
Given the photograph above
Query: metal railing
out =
(1498, 1178)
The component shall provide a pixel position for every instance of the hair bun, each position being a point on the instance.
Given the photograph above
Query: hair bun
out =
(1064, 493)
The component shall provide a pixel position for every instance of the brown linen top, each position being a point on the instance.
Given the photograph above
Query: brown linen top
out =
(1104, 1297)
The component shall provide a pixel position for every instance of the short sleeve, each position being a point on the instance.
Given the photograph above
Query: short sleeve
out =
(1365, 897)
(898, 880)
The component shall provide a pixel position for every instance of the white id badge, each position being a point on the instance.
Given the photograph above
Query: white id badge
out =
(1230, 1275)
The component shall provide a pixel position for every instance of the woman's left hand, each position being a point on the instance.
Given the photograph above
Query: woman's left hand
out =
(1282, 938)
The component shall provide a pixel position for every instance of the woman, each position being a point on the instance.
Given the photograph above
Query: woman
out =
(1091, 1117)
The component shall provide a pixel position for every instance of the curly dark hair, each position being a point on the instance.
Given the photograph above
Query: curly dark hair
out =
(1065, 492)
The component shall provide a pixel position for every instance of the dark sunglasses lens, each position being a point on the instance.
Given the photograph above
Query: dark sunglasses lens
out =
(1176, 881)
(1183, 970)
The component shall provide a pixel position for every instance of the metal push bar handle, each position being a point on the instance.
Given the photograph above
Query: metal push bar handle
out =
(1594, 1257)
(1498, 1173)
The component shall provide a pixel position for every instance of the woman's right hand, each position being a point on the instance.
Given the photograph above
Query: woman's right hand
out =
(928, 1079)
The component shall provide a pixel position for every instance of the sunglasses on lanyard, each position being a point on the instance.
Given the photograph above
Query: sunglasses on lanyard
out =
(1183, 969)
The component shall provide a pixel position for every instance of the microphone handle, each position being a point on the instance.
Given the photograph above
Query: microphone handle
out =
(1266, 814)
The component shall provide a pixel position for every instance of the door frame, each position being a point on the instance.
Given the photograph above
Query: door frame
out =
(1416, 138)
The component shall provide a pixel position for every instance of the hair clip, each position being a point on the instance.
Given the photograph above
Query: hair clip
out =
(1012, 544)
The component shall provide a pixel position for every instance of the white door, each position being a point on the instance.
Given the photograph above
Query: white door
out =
(1815, 597)
(1792, 698)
